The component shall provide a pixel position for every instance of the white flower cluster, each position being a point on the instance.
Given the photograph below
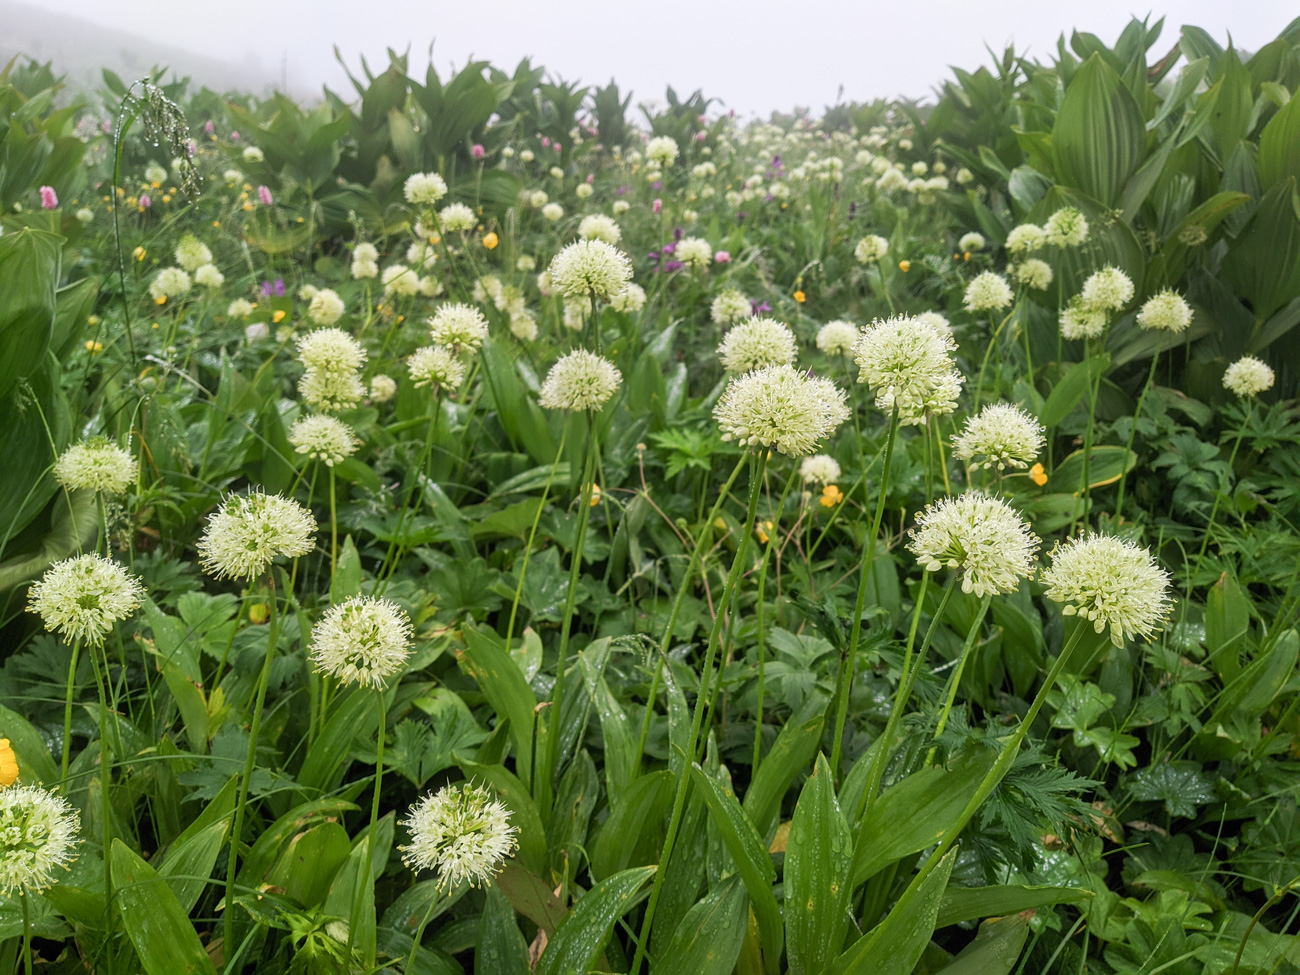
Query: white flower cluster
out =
(1111, 582)
(983, 538)
(909, 365)
(781, 408)
(756, 343)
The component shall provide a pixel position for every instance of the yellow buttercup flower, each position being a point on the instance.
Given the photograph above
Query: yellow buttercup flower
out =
(800, 297)
(1038, 475)
(139, 253)
(490, 241)
(278, 316)
(93, 347)
(160, 300)
(763, 530)
(8, 764)
(831, 496)
(595, 495)
(905, 266)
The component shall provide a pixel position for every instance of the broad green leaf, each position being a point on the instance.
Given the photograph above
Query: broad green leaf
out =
(818, 856)
(191, 857)
(35, 764)
(794, 748)
(1107, 464)
(531, 896)
(500, 947)
(266, 848)
(752, 860)
(1279, 146)
(504, 686)
(616, 731)
(708, 939)
(355, 715)
(154, 920)
(917, 812)
(971, 903)
(894, 946)
(1227, 619)
(29, 267)
(633, 825)
(1099, 137)
(584, 933)
(1071, 389)
(1263, 264)
(995, 950)
(308, 865)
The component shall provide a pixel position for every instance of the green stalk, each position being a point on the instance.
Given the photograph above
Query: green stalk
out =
(363, 876)
(984, 364)
(762, 587)
(992, 778)
(419, 933)
(334, 533)
(906, 681)
(27, 935)
(844, 679)
(105, 793)
(682, 589)
(273, 626)
(555, 727)
(955, 679)
(382, 577)
(1128, 447)
(1218, 497)
(67, 712)
(706, 674)
(532, 535)
(1085, 488)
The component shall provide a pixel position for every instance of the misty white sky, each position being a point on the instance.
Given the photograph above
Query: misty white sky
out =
(755, 56)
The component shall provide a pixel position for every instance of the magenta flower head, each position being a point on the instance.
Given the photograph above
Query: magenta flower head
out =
(591, 178)
(49, 199)
(234, 136)
(555, 146)
(145, 202)
(477, 151)
(546, 142)
(722, 257)
(209, 127)
(700, 136)
(657, 206)
(264, 195)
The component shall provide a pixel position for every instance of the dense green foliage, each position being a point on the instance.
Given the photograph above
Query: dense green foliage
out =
(737, 725)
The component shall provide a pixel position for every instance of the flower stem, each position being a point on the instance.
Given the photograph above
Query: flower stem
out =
(682, 589)
(955, 679)
(1218, 498)
(762, 633)
(273, 626)
(1128, 447)
(67, 712)
(706, 674)
(555, 728)
(532, 535)
(363, 875)
(848, 661)
(27, 935)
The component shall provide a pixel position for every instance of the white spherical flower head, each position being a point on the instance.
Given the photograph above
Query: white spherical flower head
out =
(1026, 238)
(590, 268)
(326, 307)
(399, 279)
(362, 641)
(82, 598)
(729, 306)
(820, 469)
(96, 465)
(1033, 273)
(38, 835)
(597, 226)
(327, 390)
(240, 308)
(436, 365)
(780, 407)
(630, 299)
(1165, 311)
(983, 538)
(330, 350)
(971, 242)
(694, 252)
(424, 188)
(1079, 321)
(461, 328)
(1067, 227)
(909, 365)
(988, 291)
(170, 282)
(323, 438)
(456, 218)
(382, 388)
(249, 532)
(1248, 377)
(1109, 289)
(1111, 582)
(552, 212)
(208, 276)
(580, 380)
(192, 253)
(461, 832)
(871, 249)
(365, 261)
(837, 338)
(932, 319)
(1000, 435)
(662, 150)
(756, 344)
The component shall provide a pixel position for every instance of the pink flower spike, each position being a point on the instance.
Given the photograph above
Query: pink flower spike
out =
(209, 127)
(555, 146)
(145, 202)
(546, 142)
(477, 151)
(234, 136)
(722, 257)
(264, 195)
(657, 206)
(49, 199)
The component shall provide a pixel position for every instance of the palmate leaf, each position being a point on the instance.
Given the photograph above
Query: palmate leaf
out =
(1180, 786)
